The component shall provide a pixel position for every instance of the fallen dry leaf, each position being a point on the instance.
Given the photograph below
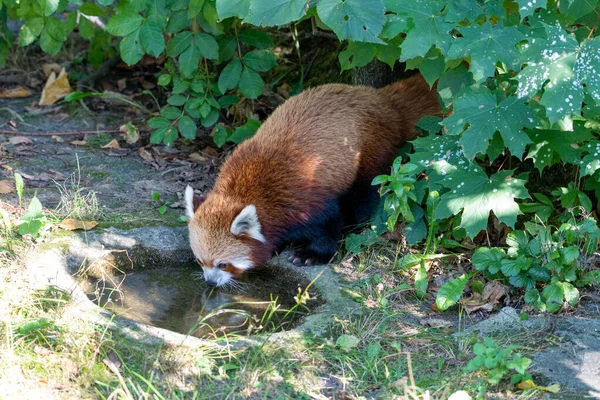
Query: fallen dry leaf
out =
(50, 68)
(209, 152)
(130, 133)
(7, 187)
(58, 139)
(113, 144)
(435, 322)
(78, 142)
(15, 93)
(73, 225)
(56, 88)
(122, 84)
(20, 140)
(197, 157)
(487, 300)
(145, 154)
(529, 384)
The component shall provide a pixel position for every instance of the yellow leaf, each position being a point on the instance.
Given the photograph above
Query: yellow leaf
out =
(57, 87)
(7, 187)
(113, 144)
(15, 93)
(528, 384)
(73, 224)
(78, 142)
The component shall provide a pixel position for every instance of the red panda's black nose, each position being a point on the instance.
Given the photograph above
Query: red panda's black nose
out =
(211, 283)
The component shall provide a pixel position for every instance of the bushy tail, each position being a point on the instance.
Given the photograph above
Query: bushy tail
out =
(413, 98)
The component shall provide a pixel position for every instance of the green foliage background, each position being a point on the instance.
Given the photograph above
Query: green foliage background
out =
(518, 78)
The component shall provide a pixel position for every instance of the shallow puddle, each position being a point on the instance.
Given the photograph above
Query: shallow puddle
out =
(177, 299)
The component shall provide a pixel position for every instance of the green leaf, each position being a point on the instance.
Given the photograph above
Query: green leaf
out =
(227, 48)
(514, 267)
(177, 100)
(220, 135)
(275, 12)
(421, 281)
(347, 342)
(178, 21)
(453, 82)
(155, 196)
(488, 259)
(106, 2)
(49, 7)
(233, 8)
(486, 45)
(179, 43)
(53, 36)
(158, 122)
(152, 39)
(259, 60)
(451, 292)
(528, 7)
(211, 118)
(195, 7)
(551, 146)
(553, 294)
(477, 195)
(230, 76)
(561, 67)
(357, 55)
(189, 60)
(428, 29)
(245, 131)
(395, 25)
(86, 28)
(577, 8)
(164, 80)
(187, 127)
(207, 45)
(124, 23)
(30, 30)
(228, 100)
(479, 108)
(570, 292)
(256, 38)
(354, 243)
(131, 48)
(171, 113)
(352, 20)
(91, 9)
(251, 84)
(373, 350)
(461, 10)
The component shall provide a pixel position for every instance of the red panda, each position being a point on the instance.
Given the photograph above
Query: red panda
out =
(305, 174)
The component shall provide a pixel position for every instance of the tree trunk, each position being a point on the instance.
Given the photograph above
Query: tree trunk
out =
(378, 74)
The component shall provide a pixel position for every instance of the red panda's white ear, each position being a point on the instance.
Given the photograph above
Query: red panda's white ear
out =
(246, 223)
(192, 202)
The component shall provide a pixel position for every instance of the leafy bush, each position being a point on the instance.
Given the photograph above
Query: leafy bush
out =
(497, 362)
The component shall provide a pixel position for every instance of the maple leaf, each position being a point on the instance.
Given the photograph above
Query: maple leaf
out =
(429, 29)
(561, 67)
(479, 108)
(476, 195)
(486, 45)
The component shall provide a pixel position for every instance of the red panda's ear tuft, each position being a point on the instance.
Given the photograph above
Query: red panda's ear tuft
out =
(247, 223)
(192, 202)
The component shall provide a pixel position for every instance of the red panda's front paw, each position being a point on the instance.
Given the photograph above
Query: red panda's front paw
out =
(299, 259)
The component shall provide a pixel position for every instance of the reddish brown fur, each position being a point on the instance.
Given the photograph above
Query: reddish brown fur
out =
(312, 149)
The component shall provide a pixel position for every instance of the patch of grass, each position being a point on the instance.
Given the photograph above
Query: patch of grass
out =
(77, 201)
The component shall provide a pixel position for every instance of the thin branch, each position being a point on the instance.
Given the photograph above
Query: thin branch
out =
(58, 133)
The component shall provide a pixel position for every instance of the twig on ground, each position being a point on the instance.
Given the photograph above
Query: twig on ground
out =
(58, 133)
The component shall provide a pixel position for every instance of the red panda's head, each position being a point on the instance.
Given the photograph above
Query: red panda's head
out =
(225, 236)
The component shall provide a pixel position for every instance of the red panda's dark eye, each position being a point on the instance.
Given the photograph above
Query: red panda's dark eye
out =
(221, 265)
